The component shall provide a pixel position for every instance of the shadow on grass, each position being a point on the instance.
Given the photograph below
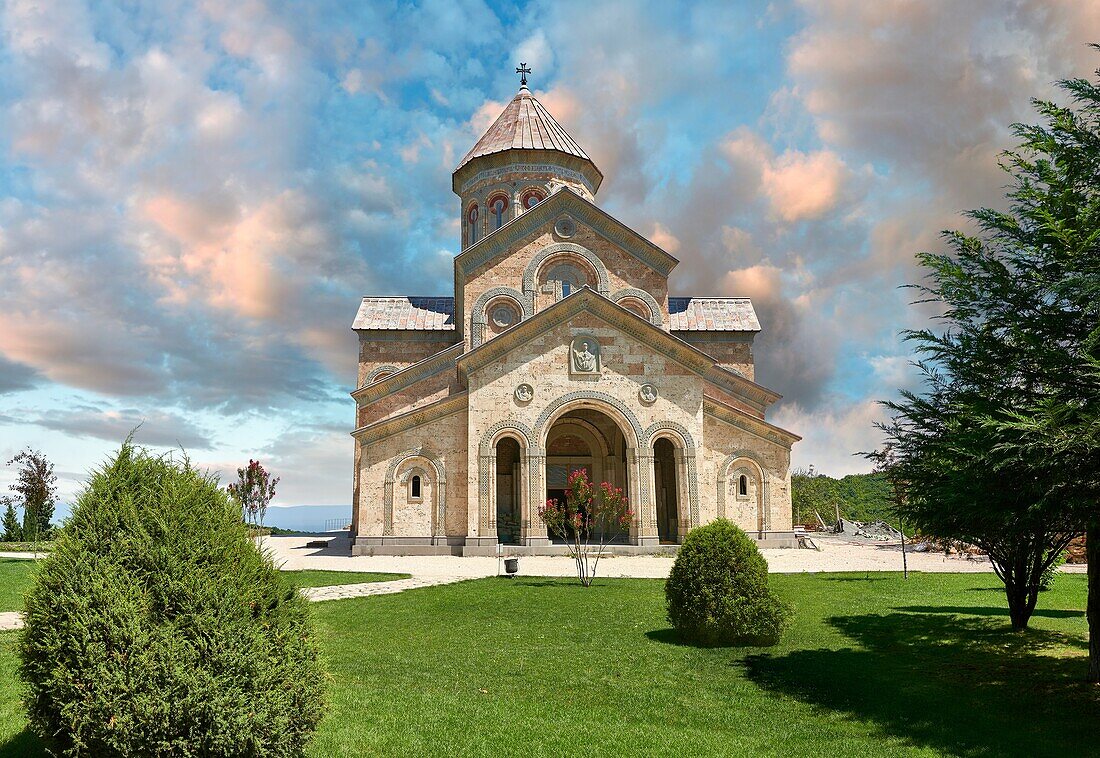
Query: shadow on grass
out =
(1052, 613)
(855, 578)
(965, 686)
(669, 636)
(23, 745)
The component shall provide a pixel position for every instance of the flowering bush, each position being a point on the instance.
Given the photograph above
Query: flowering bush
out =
(254, 490)
(591, 513)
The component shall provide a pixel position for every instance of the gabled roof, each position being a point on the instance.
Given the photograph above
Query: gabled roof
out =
(525, 125)
(712, 314)
(508, 238)
(406, 313)
(586, 299)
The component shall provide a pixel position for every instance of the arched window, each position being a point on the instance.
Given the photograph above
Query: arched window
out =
(743, 486)
(414, 488)
(531, 198)
(569, 276)
(471, 223)
(498, 205)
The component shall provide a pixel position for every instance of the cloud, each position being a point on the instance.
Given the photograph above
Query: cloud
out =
(832, 437)
(157, 429)
(804, 186)
(15, 377)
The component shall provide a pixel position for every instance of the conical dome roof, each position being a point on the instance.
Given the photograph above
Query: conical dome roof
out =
(525, 125)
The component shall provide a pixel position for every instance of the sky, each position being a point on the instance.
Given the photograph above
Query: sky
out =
(193, 197)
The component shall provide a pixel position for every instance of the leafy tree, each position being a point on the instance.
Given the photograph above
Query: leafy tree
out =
(36, 484)
(12, 530)
(1050, 239)
(590, 513)
(157, 628)
(1001, 447)
(861, 497)
(254, 490)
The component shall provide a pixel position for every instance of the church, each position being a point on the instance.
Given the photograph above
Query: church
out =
(560, 349)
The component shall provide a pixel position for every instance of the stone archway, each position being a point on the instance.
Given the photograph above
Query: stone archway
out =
(589, 439)
(666, 492)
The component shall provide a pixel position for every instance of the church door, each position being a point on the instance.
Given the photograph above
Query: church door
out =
(666, 491)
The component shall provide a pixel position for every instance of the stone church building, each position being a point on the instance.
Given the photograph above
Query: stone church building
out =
(560, 349)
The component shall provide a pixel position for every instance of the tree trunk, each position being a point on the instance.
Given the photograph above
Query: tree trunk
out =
(1018, 610)
(1092, 612)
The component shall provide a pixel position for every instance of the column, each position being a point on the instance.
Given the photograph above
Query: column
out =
(533, 530)
(640, 468)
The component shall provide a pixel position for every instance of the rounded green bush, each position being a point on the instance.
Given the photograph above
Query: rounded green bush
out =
(718, 592)
(157, 628)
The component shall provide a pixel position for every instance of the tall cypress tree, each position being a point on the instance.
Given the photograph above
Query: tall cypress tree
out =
(1003, 445)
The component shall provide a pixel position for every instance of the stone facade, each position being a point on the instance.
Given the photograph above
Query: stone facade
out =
(558, 351)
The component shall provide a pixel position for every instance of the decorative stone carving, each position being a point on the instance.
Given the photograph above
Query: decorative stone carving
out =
(525, 393)
(565, 227)
(647, 393)
(584, 355)
(504, 315)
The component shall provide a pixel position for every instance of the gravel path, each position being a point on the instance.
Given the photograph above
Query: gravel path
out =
(835, 555)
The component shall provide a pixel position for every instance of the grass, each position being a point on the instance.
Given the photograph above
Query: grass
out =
(17, 574)
(872, 666)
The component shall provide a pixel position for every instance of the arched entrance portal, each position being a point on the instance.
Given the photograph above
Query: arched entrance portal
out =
(666, 490)
(589, 440)
(508, 490)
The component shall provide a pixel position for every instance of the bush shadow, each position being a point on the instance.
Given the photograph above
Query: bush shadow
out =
(26, 744)
(964, 686)
(670, 636)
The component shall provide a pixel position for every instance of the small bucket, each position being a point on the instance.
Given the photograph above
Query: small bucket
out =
(511, 565)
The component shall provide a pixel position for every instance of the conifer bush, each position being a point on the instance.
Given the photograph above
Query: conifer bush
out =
(157, 628)
(718, 593)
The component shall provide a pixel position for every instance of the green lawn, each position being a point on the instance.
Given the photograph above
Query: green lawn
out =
(15, 579)
(873, 666)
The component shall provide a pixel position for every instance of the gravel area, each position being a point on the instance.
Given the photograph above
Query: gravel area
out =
(835, 555)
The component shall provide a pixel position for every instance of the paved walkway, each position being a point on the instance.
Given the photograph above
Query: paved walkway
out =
(367, 589)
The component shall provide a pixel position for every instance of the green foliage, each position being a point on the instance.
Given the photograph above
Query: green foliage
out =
(861, 497)
(717, 592)
(157, 628)
(1000, 447)
(36, 485)
(10, 527)
(254, 490)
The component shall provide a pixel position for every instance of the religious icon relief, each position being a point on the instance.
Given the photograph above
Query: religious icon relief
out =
(584, 355)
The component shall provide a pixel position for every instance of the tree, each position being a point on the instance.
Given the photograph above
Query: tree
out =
(589, 512)
(157, 627)
(36, 484)
(254, 490)
(1051, 237)
(12, 531)
(1002, 445)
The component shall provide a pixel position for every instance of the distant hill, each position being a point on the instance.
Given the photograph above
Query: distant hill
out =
(861, 497)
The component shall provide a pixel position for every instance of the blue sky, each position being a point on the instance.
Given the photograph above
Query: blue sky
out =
(194, 197)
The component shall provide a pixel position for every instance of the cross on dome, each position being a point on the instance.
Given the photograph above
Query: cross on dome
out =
(523, 71)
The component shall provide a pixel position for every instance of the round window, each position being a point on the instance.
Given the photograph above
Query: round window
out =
(504, 315)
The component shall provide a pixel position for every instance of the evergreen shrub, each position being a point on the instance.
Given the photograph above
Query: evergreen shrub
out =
(718, 593)
(157, 628)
